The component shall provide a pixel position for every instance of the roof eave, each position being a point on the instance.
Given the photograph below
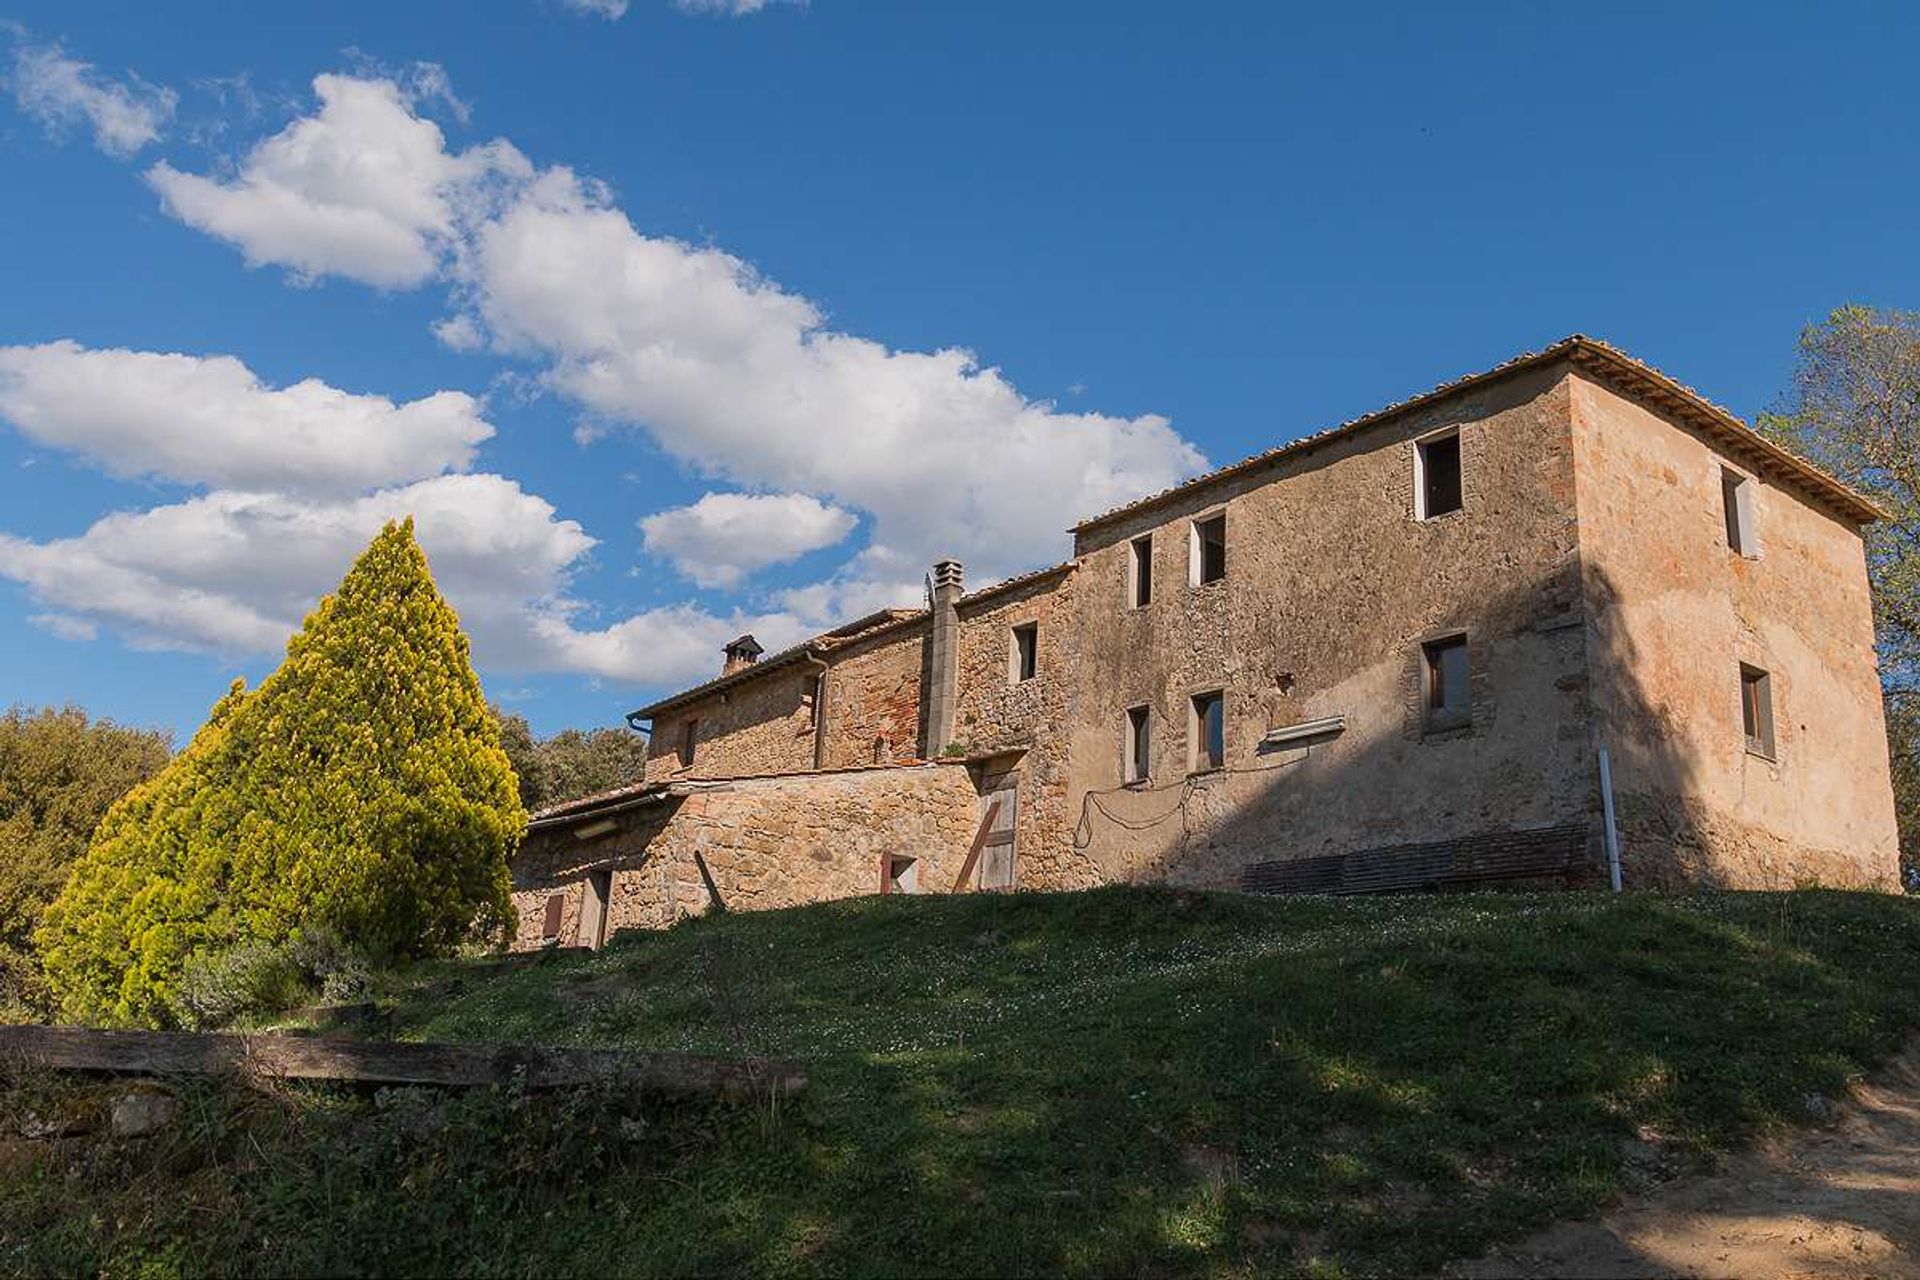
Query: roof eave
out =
(723, 683)
(1582, 351)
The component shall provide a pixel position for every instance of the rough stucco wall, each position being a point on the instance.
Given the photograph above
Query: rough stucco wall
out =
(997, 713)
(873, 700)
(759, 726)
(1331, 584)
(769, 842)
(1674, 612)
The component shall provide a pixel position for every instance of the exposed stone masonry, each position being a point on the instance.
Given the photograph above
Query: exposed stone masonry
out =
(1587, 570)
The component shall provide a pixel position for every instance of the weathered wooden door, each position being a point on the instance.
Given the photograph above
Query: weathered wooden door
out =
(593, 909)
(998, 869)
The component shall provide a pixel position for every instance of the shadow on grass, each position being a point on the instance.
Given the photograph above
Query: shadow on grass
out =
(1120, 1081)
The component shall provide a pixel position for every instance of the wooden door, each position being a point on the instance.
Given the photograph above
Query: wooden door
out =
(593, 909)
(997, 864)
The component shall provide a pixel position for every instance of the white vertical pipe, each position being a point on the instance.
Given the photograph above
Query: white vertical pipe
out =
(1606, 807)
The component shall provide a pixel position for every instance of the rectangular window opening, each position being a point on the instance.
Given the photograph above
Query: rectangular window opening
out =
(1026, 651)
(1736, 498)
(1756, 709)
(1139, 744)
(1209, 550)
(689, 735)
(1209, 732)
(556, 914)
(1437, 475)
(1448, 700)
(1140, 571)
(903, 875)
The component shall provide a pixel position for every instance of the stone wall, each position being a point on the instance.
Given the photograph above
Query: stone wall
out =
(1331, 587)
(1020, 727)
(873, 699)
(1675, 611)
(1588, 571)
(763, 725)
(768, 842)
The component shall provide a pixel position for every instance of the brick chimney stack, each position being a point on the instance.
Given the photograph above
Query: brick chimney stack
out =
(943, 669)
(741, 653)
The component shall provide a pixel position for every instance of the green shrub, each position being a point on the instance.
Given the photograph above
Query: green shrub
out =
(256, 978)
(361, 789)
(216, 987)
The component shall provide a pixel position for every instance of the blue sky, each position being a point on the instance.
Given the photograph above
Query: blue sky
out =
(539, 273)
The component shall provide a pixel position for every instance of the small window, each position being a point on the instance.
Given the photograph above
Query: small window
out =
(1436, 475)
(1140, 571)
(902, 875)
(1209, 733)
(556, 914)
(1756, 709)
(1139, 744)
(689, 735)
(1026, 651)
(1448, 701)
(1209, 550)
(1736, 499)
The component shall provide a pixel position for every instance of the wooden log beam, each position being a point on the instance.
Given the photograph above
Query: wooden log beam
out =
(979, 843)
(713, 890)
(386, 1062)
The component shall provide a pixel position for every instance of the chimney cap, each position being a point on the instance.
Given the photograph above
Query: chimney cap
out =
(948, 572)
(743, 647)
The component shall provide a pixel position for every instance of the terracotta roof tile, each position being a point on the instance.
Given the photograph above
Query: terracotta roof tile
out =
(1590, 353)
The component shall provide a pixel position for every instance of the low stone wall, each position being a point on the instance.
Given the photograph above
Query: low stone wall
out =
(768, 842)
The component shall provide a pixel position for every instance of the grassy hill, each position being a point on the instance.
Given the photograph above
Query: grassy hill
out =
(1126, 1081)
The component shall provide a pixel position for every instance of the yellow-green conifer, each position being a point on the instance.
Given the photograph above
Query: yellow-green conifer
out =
(361, 788)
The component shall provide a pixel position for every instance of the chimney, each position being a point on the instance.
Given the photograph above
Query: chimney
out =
(741, 653)
(943, 669)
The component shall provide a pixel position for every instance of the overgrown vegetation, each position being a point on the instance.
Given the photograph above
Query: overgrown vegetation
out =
(361, 790)
(1855, 409)
(1125, 1081)
(572, 763)
(59, 773)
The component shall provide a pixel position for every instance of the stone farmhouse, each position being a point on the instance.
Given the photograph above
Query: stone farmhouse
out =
(1392, 655)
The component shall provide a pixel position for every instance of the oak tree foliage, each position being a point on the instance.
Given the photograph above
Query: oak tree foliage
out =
(1854, 408)
(59, 773)
(572, 763)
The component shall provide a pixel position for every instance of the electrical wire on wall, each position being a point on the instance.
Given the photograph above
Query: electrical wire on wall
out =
(1093, 802)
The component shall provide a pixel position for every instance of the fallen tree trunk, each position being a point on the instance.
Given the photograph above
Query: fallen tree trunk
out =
(387, 1062)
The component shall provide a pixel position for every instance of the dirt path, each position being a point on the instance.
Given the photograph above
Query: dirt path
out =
(1838, 1201)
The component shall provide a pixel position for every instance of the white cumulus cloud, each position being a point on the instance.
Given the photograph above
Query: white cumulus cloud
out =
(234, 573)
(210, 419)
(365, 188)
(608, 9)
(734, 376)
(63, 92)
(744, 380)
(724, 537)
(303, 476)
(726, 8)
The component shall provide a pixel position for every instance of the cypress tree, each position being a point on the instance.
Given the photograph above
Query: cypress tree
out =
(361, 789)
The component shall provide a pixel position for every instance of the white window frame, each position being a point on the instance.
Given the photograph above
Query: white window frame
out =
(1134, 770)
(1420, 445)
(1764, 743)
(1197, 729)
(1014, 673)
(1739, 518)
(1139, 556)
(1439, 719)
(1194, 552)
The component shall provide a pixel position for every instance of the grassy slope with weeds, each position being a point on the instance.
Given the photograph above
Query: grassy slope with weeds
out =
(1125, 1081)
